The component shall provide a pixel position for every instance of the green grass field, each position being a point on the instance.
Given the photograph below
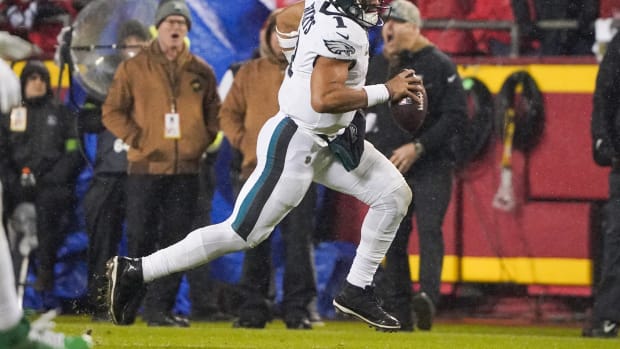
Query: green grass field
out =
(335, 334)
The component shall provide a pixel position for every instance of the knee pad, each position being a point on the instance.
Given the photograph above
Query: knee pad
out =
(402, 197)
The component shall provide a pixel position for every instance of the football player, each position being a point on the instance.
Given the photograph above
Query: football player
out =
(316, 136)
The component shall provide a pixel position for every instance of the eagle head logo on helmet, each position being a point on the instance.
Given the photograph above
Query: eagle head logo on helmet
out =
(363, 11)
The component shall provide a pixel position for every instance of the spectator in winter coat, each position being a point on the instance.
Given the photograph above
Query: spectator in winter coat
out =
(42, 164)
(163, 104)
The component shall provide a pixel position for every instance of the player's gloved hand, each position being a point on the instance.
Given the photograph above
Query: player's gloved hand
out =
(405, 84)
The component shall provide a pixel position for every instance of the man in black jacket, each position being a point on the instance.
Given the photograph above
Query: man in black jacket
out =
(606, 150)
(425, 159)
(104, 202)
(42, 164)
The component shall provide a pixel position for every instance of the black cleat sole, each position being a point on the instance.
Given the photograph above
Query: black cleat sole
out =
(344, 310)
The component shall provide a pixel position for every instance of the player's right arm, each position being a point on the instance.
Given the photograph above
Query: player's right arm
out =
(330, 94)
(287, 22)
(288, 18)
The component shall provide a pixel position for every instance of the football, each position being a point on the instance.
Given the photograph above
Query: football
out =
(408, 114)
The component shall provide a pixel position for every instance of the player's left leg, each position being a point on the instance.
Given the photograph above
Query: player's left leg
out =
(377, 183)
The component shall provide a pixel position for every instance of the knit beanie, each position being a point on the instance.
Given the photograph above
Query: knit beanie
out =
(170, 8)
(132, 28)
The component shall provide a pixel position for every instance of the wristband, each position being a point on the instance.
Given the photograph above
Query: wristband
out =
(377, 94)
(287, 40)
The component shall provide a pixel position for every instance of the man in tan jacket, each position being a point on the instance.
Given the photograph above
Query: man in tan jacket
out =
(163, 103)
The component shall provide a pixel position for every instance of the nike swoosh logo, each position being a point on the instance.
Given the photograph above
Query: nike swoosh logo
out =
(608, 327)
(346, 37)
(451, 78)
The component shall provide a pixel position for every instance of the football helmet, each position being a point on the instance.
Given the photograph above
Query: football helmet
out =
(363, 12)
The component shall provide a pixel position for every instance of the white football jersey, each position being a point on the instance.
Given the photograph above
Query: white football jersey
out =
(323, 31)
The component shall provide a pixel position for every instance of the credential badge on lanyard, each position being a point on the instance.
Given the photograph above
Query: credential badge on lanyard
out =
(172, 125)
(19, 119)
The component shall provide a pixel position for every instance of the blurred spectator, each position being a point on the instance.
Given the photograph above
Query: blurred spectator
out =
(567, 41)
(42, 163)
(246, 108)
(78, 5)
(491, 42)
(605, 129)
(163, 103)
(104, 202)
(609, 8)
(525, 17)
(451, 41)
(209, 297)
(425, 159)
(38, 21)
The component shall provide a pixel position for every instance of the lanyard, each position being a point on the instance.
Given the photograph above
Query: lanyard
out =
(170, 70)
